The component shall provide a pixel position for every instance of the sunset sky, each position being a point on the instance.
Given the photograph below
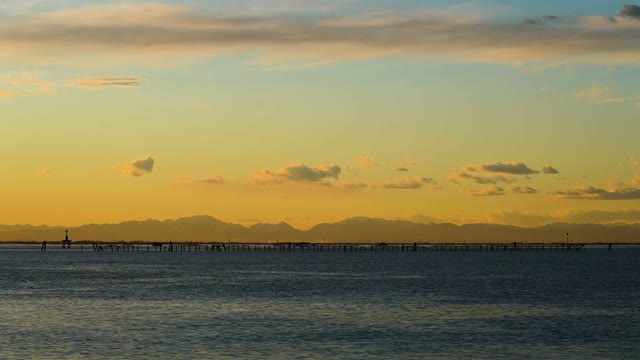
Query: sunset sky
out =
(497, 111)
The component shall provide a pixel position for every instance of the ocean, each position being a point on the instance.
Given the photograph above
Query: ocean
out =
(327, 305)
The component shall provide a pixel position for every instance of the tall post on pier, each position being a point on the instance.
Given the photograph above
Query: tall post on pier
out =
(567, 239)
(44, 246)
(66, 243)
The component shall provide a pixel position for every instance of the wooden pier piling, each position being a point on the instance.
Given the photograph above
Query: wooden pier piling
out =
(344, 248)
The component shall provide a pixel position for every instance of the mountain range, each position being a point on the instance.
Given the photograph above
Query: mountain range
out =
(352, 230)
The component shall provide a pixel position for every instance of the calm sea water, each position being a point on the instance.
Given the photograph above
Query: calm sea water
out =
(160, 305)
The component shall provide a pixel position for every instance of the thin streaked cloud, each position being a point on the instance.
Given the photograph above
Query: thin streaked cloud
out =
(593, 193)
(135, 32)
(98, 83)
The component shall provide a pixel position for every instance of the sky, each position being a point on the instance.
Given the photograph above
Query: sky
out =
(493, 111)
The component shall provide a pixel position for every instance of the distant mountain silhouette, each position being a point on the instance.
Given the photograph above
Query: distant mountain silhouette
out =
(357, 229)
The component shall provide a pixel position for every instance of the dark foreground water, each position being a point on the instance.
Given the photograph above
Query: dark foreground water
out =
(62, 305)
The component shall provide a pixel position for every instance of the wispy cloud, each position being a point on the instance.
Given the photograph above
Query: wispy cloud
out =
(462, 175)
(615, 100)
(601, 95)
(135, 32)
(550, 170)
(140, 167)
(44, 172)
(98, 83)
(408, 183)
(523, 190)
(24, 83)
(593, 93)
(404, 165)
(365, 162)
(4, 92)
(27, 83)
(355, 185)
(298, 173)
(201, 184)
(492, 190)
(491, 173)
(593, 193)
(406, 162)
(212, 180)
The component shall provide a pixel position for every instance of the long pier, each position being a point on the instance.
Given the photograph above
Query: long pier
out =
(324, 247)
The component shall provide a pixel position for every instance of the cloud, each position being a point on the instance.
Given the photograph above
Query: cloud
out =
(596, 96)
(460, 176)
(492, 190)
(523, 190)
(539, 20)
(355, 185)
(98, 83)
(549, 170)
(638, 105)
(636, 180)
(615, 100)
(365, 162)
(632, 11)
(140, 167)
(298, 173)
(211, 182)
(23, 78)
(532, 21)
(106, 34)
(4, 92)
(407, 162)
(592, 193)
(593, 93)
(512, 168)
(408, 183)
(44, 172)
(24, 83)
(492, 173)
(404, 165)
